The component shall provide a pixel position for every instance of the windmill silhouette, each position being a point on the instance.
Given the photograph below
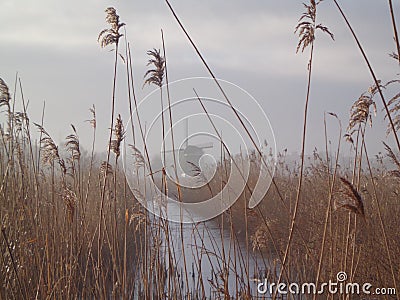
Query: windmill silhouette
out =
(189, 155)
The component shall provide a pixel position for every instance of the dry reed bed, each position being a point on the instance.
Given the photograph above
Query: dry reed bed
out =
(71, 227)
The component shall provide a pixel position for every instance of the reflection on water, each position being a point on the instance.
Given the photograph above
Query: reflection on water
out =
(216, 258)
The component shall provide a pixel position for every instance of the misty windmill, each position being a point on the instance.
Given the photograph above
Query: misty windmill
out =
(188, 156)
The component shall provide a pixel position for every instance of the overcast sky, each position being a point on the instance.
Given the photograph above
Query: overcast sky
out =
(53, 47)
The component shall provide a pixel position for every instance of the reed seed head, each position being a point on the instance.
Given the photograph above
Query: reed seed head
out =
(92, 121)
(106, 169)
(50, 151)
(70, 199)
(138, 157)
(306, 27)
(361, 111)
(156, 75)
(111, 35)
(119, 134)
(4, 95)
(72, 144)
(349, 198)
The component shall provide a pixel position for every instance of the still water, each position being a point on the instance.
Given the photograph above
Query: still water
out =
(217, 259)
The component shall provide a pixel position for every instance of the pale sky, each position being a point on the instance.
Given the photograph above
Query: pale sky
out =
(53, 47)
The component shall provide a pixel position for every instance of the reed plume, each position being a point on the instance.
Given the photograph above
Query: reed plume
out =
(4, 95)
(92, 121)
(349, 198)
(119, 135)
(5, 101)
(49, 150)
(70, 199)
(155, 76)
(111, 35)
(18, 120)
(361, 111)
(106, 169)
(307, 26)
(138, 157)
(72, 145)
